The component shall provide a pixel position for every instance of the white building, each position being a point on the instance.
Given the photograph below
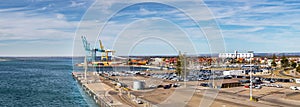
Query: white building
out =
(236, 55)
(297, 81)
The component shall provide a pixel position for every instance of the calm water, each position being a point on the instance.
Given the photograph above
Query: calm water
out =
(39, 82)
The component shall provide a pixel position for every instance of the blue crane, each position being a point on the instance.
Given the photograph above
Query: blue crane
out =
(89, 51)
(92, 53)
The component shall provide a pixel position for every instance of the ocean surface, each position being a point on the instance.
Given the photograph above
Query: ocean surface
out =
(40, 82)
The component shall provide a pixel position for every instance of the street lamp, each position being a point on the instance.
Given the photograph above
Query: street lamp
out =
(184, 58)
(85, 67)
(251, 98)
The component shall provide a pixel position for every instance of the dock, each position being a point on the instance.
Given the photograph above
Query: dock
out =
(104, 93)
(96, 89)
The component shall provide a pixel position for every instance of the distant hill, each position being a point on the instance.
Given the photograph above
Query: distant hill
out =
(216, 55)
(277, 54)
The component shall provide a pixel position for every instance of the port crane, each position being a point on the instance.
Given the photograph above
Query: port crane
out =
(89, 52)
(93, 52)
(105, 52)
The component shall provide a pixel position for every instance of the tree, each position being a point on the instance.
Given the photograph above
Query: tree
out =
(298, 68)
(294, 65)
(129, 61)
(273, 63)
(179, 64)
(284, 61)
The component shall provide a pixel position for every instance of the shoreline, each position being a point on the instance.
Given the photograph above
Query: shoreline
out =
(99, 101)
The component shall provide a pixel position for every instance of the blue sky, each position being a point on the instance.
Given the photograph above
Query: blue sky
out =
(48, 27)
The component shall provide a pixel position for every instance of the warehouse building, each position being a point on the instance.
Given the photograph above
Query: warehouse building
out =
(236, 55)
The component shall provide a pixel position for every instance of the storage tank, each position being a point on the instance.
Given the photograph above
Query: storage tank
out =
(138, 85)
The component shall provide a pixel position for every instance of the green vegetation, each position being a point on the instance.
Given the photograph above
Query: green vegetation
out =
(273, 63)
(179, 64)
(298, 68)
(294, 65)
(129, 61)
(284, 61)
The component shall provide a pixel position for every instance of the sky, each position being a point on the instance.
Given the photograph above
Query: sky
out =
(54, 27)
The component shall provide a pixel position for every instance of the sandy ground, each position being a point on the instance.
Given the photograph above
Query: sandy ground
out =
(155, 96)
(294, 96)
(195, 101)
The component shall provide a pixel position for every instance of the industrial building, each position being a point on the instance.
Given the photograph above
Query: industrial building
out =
(236, 55)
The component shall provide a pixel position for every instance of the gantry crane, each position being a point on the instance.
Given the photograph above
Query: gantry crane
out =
(91, 54)
(105, 52)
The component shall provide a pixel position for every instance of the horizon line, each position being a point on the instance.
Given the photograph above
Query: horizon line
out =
(143, 55)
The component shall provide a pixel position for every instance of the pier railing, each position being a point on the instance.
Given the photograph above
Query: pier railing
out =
(98, 99)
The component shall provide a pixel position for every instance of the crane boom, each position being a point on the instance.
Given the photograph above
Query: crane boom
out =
(101, 45)
(86, 45)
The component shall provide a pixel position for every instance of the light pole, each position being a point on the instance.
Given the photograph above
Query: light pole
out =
(250, 81)
(184, 58)
(85, 68)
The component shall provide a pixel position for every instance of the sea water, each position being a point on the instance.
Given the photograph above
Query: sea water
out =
(40, 81)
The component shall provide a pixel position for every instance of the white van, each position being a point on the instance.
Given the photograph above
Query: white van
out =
(293, 88)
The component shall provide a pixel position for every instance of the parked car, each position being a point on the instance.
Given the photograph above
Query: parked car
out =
(246, 86)
(293, 88)
(257, 86)
(176, 85)
(167, 86)
(175, 79)
(200, 79)
(279, 86)
(269, 85)
(160, 86)
(152, 86)
(263, 84)
(273, 85)
(138, 101)
(228, 77)
(204, 85)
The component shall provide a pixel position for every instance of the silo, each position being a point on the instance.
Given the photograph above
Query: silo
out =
(138, 85)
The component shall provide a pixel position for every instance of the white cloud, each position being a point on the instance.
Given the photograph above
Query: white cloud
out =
(11, 9)
(274, 13)
(44, 8)
(60, 16)
(21, 26)
(23, 33)
(144, 11)
(29, 25)
(75, 4)
(92, 29)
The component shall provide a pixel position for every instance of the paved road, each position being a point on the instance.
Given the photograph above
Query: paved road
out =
(281, 72)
